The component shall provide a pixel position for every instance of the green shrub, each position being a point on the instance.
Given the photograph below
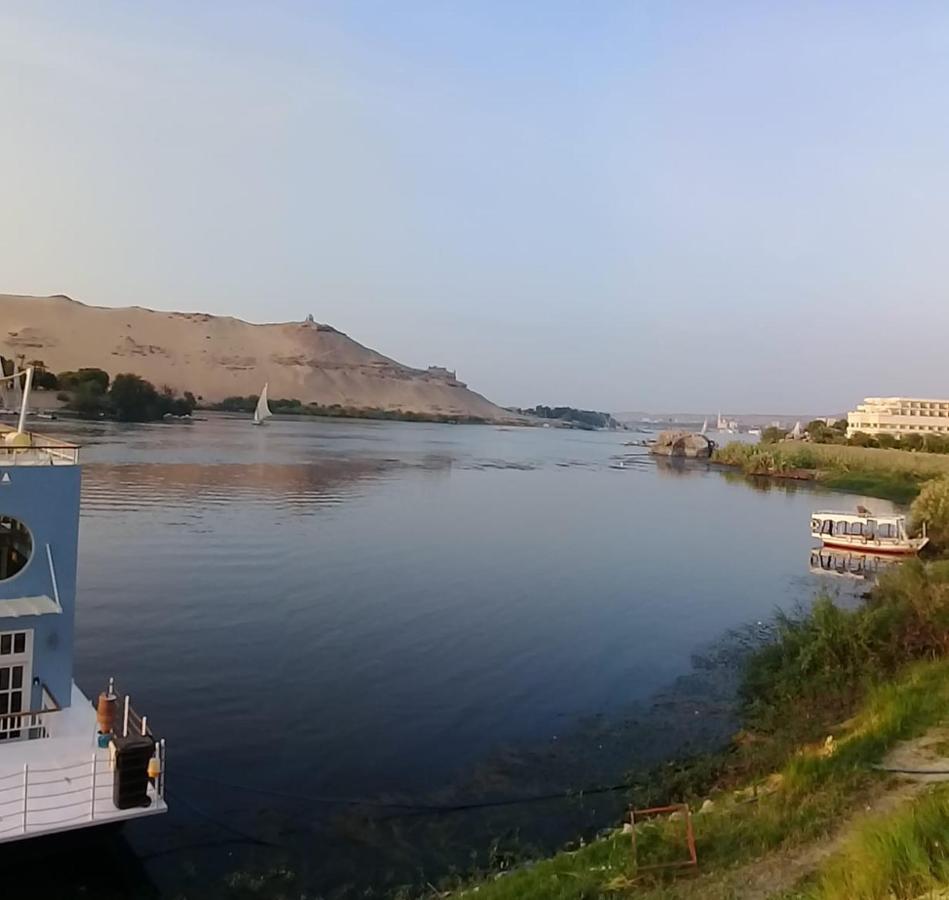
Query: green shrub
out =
(862, 439)
(772, 434)
(912, 442)
(931, 508)
(825, 659)
(71, 381)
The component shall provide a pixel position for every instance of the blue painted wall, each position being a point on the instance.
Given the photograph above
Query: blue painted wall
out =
(46, 500)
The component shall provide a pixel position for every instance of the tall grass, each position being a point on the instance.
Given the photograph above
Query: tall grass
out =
(892, 474)
(823, 661)
(900, 856)
(842, 458)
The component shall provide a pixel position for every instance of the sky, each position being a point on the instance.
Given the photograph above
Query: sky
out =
(623, 205)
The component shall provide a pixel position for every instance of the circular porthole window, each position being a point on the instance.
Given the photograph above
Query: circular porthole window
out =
(16, 546)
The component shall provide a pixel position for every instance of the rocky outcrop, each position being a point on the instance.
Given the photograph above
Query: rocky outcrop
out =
(685, 444)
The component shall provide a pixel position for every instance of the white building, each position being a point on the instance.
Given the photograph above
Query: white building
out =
(899, 416)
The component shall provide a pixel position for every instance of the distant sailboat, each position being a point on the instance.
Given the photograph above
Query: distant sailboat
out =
(263, 410)
(797, 433)
(704, 427)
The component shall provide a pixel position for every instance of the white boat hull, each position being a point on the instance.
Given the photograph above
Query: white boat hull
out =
(889, 546)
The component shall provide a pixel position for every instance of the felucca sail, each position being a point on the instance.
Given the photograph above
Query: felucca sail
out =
(263, 410)
(704, 427)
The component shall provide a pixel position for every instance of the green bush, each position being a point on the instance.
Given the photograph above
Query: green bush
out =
(932, 508)
(133, 399)
(88, 399)
(825, 658)
(71, 381)
(862, 439)
(912, 442)
(772, 434)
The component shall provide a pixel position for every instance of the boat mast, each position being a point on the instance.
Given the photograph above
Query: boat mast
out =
(26, 397)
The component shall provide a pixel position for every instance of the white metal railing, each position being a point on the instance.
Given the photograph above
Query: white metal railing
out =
(40, 799)
(41, 450)
(30, 725)
(23, 726)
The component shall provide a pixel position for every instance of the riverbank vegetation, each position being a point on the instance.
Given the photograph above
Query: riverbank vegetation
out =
(892, 474)
(294, 407)
(587, 419)
(819, 432)
(127, 398)
(822, 705)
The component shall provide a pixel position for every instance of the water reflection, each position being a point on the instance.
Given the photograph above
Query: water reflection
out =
(301, 487)
(861, 566)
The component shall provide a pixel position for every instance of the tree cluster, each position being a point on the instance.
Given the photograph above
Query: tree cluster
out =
(583, 418)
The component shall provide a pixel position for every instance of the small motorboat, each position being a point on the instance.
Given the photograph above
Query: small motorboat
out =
(864, 532)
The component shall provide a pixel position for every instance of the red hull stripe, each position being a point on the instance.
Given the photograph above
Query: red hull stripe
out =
(871, 548)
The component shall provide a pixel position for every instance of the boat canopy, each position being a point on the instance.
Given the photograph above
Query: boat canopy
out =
(891, 518)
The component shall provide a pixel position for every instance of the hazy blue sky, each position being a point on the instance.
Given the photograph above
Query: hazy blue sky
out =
(622, 205)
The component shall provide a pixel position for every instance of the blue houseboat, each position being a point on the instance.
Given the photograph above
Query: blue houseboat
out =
(64, 762)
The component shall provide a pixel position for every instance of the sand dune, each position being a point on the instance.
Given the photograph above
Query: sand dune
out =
(218, 356)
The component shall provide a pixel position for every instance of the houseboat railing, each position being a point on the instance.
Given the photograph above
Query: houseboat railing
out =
(128, 720)
(40, 799)
(32, 724)
(41, 446)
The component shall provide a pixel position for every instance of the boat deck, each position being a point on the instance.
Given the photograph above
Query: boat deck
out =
(64, 781)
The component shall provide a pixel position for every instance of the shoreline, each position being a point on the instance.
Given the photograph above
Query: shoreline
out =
(779, 738)
(896, 475)
(810, 758)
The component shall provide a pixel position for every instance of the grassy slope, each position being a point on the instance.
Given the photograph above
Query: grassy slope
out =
(902, 855)
(812, 792)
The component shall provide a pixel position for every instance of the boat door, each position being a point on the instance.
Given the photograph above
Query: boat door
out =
(16, 679)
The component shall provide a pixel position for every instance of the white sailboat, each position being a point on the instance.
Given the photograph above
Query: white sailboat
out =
(797, 433)
(263, 409)
(704, 427)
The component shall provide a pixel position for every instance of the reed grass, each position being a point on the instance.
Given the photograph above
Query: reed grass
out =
(892, 474)
(902, 856)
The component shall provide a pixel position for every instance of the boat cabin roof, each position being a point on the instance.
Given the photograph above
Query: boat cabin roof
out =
(857, 517)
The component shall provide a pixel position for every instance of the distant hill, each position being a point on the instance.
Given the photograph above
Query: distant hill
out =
(219, 356)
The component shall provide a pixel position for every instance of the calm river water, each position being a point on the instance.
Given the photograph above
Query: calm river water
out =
(319, 610)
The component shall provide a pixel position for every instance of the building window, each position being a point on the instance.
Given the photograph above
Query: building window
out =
(15, 673)
(16, 547)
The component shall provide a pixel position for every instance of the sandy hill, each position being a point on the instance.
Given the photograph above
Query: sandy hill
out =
(218, 356)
